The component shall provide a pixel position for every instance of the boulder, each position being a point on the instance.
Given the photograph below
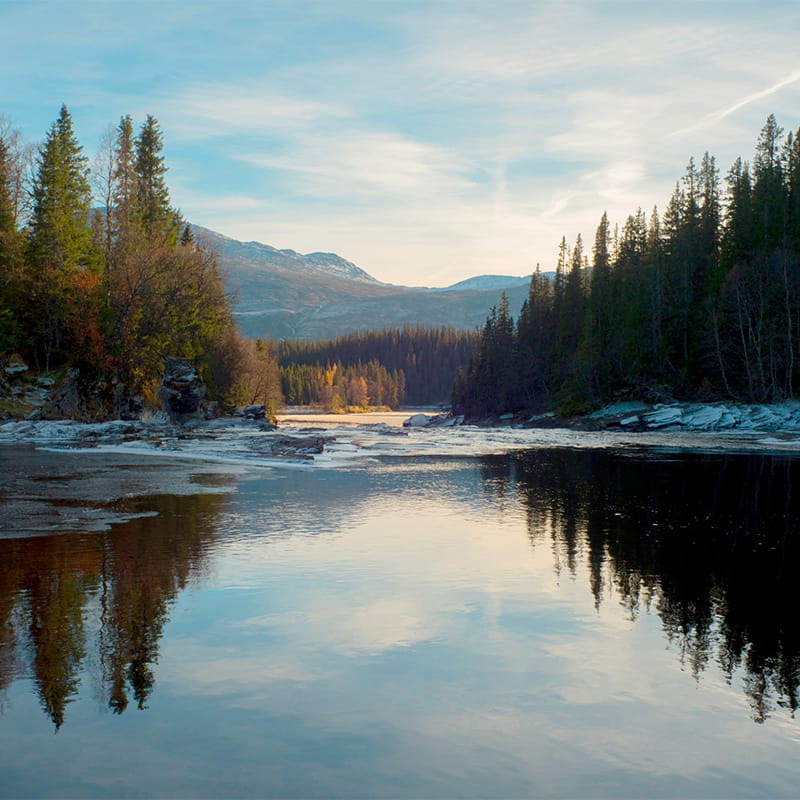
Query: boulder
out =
(417, 421)
(252, 412)
(15, 367)
(72, 397)
(182, 391)
(297, 446)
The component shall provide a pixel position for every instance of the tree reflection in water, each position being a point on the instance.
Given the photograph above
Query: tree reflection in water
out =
(73, 601)
(711, 543)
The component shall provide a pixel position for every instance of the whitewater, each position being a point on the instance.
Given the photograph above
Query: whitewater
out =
(358, 439)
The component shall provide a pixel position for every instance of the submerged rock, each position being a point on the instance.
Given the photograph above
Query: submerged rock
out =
(417, 421)
(445, 420)
(302, 446)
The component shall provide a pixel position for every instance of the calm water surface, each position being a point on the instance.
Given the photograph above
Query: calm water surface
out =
(548, 623)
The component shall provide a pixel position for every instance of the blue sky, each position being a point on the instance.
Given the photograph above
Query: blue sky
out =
(426, 141)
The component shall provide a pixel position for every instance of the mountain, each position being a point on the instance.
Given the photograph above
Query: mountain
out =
(254, 255)
(493, 282)
(285, 294)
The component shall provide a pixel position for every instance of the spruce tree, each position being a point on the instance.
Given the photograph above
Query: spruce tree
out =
(596, 347)
(124, 192)
(59, 229)
(769, 199)
(155, 213)
(62, 267)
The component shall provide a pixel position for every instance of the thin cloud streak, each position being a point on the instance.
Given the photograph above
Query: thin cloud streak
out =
(718, 116)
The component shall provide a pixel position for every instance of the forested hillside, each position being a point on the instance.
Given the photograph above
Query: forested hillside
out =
(114, 291)
(410, 366)
(702, 302)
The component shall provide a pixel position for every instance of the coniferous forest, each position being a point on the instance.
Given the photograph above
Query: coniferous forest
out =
(701, 302)
(409, 366)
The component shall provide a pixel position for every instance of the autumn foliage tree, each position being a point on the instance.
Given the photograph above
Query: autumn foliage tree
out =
(117, 290)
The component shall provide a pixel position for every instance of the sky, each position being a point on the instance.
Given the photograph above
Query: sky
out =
(425, 140)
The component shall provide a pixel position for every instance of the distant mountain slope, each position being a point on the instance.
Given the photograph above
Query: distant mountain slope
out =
(403, 307)
(482, 282)
(250, 255)
(285, 294)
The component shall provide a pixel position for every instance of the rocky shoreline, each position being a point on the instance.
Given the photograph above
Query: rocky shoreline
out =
(185, 414)
(639, 417)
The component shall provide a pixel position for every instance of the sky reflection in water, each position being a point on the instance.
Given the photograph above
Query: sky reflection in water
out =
(546, 623)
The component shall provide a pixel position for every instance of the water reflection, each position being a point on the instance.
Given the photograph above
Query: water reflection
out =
(72, 604)
(708, 542)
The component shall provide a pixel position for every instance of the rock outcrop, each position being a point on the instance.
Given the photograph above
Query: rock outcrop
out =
(182, 391)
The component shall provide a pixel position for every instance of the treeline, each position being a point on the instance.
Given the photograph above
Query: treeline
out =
(338, 388)
(420, 363)
(98, 271)
(701, 303)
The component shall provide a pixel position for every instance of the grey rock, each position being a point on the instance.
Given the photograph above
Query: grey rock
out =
(417, 421)
(182, 391)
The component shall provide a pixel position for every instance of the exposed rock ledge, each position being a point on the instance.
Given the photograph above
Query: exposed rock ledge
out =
(639, 416)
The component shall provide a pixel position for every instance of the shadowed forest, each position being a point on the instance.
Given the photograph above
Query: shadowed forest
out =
(702, 302)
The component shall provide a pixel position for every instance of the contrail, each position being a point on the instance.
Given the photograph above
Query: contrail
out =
(717, 116)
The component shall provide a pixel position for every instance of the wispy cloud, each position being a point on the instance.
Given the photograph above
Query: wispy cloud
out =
(223, 109)
(373, 163)
(717, 116)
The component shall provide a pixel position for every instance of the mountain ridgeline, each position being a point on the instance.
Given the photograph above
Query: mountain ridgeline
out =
(281, 294)
(700, 303)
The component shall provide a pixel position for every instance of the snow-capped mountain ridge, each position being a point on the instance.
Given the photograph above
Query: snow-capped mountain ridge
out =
(285, 294)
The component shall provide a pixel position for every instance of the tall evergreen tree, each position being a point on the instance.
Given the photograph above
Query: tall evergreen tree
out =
(124, 196)
(155, 212)
(769, 195)
(63, 269)
(792, 172)
(59, 227)
(535, 341)
(597, 342)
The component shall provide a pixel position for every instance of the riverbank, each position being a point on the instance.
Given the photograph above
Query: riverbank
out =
(638, 417)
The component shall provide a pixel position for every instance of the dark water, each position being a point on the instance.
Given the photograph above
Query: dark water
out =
(551, 623)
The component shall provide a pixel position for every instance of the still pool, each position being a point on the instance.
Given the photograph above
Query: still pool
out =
(548, 623)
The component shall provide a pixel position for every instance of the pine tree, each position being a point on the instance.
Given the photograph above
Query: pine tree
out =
(792, 172)
(597, 334)
(535, 342)
(62, 277)
(124, 194)
(59, 228)
(769, 197)
(155, 212)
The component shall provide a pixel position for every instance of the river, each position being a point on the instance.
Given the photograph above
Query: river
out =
(516, 621)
